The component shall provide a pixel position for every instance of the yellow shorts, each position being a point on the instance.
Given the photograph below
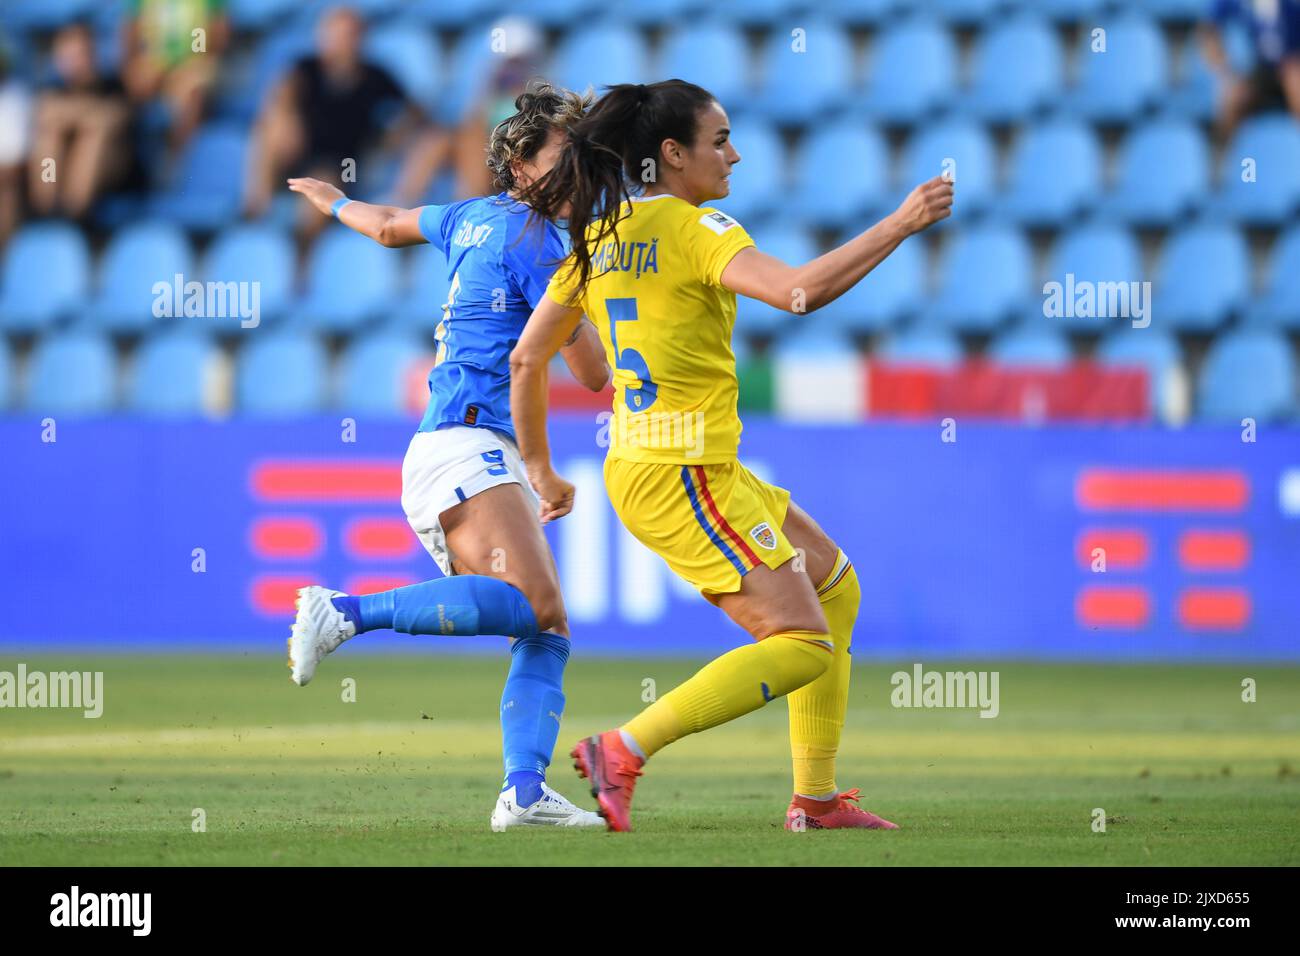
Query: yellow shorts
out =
(712, 524)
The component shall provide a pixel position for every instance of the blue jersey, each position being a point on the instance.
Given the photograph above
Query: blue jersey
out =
(499, 268)
(1274, 24)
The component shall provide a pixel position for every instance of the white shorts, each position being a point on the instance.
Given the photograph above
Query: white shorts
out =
(445, 467)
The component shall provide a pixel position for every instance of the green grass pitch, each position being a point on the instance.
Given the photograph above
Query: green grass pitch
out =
(1186, 772)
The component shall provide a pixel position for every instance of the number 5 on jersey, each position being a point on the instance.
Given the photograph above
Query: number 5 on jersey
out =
(630, 360)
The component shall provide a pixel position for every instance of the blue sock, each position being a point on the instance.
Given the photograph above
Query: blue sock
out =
(532, 703)
(463, 604)
(527, 784)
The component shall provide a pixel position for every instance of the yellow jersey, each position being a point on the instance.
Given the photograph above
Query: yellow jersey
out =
(656, 298)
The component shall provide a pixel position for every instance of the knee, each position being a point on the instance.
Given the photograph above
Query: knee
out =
(548, 609)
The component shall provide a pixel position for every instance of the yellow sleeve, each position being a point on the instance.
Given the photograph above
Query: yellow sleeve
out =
(712, 240)
(563, 283)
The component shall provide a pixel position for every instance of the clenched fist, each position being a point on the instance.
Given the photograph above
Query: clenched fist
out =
(925, 205)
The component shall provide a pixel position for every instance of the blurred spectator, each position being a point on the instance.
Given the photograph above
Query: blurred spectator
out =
(173, 51)
(15, 141)
(331, 107)
(1274, 81)
(82, 125)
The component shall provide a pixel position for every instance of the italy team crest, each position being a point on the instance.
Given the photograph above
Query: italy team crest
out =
(763, 534)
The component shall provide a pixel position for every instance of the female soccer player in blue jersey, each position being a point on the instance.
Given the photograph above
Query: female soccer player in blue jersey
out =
(464, 489)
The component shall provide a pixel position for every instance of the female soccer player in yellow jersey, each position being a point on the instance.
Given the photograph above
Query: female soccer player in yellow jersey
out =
(658, 271)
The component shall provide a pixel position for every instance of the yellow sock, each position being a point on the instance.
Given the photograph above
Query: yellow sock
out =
(817, 708)
(731, 686)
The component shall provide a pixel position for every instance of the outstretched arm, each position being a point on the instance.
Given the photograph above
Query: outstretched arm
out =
(826, 278)
(585, 356)
(544, 335)
(390, 226)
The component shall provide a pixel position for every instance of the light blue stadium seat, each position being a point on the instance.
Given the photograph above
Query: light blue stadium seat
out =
(1118, 85)
(969, 145)
(890, 293)
(409, 51)
(969, 12)
(659, 13)
(792, 246)
(561, 13)
(710, 54)
(758, 181)
(1069, 11)
(254, 253)
(72, 373)
(281, 374)
(1280, 302)
(1203, 278)
(209, 187)
(762, 13)
(1055, 174)
(1182, 11)
(274, 55)
(440, 13)
(600, 55)
(350, 281)
(1248, 374)
(374, 373)
(1164, 173)
(257, 15)
(136, 259)
(813, 341)
(838, 201)
(913, 72)
(1095, 254)
(6, 375)
(1273, 142)
(922, 346)
(805, 77)
(1018, 71)
(427, 284)
(47, 14)
(175, 375)
(46, 276)
(863, 13)
(1195, 92)
(1155, 351)
(987, 277)
(1031, 347)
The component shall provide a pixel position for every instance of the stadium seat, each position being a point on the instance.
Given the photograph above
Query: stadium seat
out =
(969, 12)
(661, 12)
(599, 55)
(176, 373)
(137, 259)
(71, 373)
(282, 373)
(922, 346)
(1273, 198)
(1191, 297)
(1280, 302)
(838, 201)
(1164, 172)
(765, 13)
(913, 72)
(48, 14)
(46, 276)
(257, 15)
(6, 375)
(350, 281)
(970, 147)
(1158, 353)
(412, 54)
(1034, 346)
(987, 277)
(1194, 94)
(373, 373)
(440, 13)
(1249, 374)
(1055, 174)
(807, 76)
(792, 246)
(427, 284)
(276, 52)
(1119, 84)
(710, 54)
(560, 13)
(1095, 254)
(890, 293)
(1180, 11)
(861, 13)
(1069, 11)
(758, 180)
(209, 187)
(1017, 72)
(254, 253)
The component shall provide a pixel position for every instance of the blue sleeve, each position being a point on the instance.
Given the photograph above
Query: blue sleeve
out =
(532, 261)
(433, 225)
(1222, 11)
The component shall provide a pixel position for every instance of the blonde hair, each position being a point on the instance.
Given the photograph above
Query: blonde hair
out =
(541, 108)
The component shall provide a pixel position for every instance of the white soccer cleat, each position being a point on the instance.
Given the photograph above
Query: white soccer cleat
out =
(551, 810)
(318, 628)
